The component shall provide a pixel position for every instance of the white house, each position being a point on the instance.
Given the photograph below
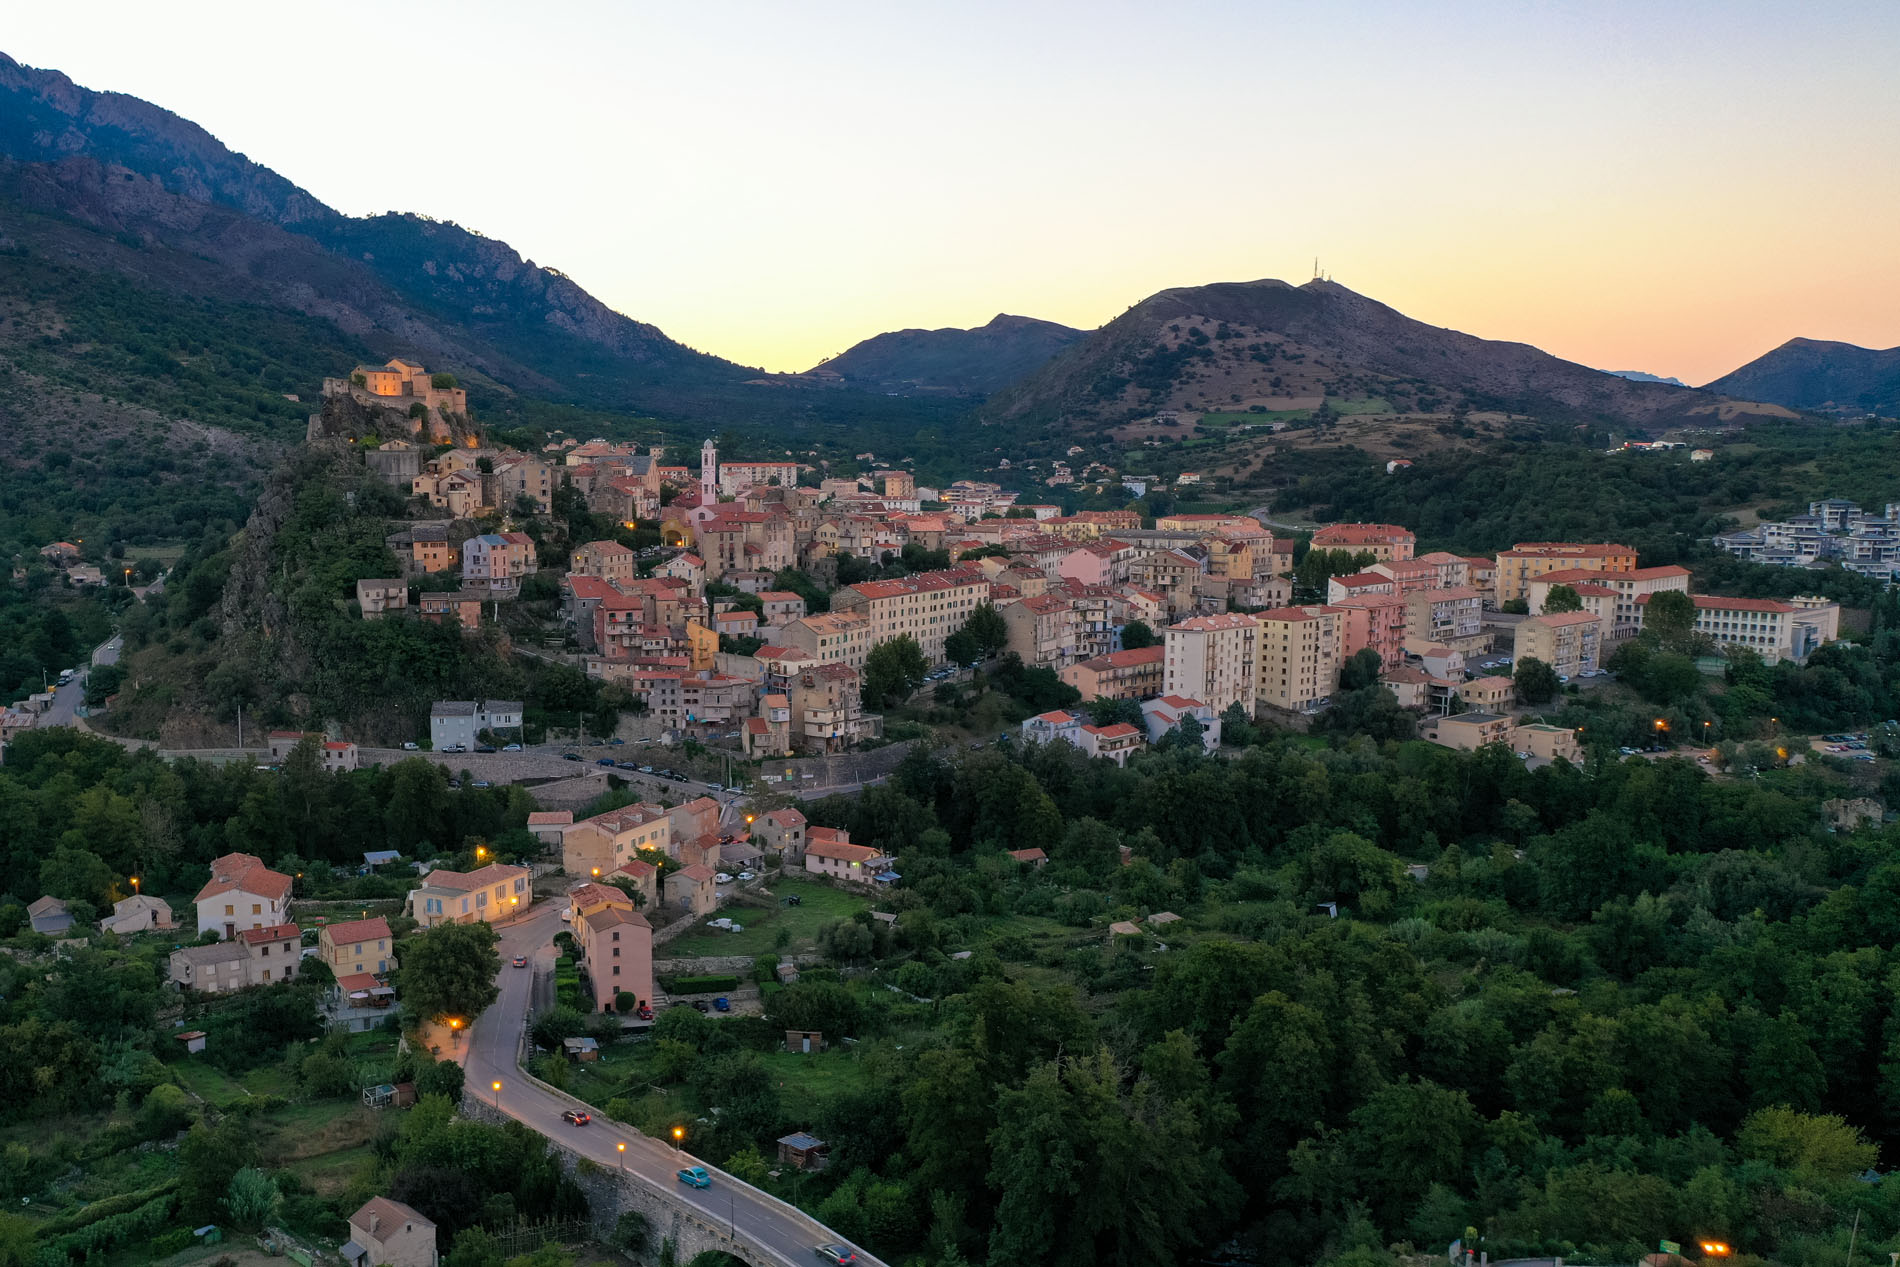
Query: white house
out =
(242, 893)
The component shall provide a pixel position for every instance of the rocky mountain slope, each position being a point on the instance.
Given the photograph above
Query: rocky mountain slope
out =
(1268, 345)
(968, 362)
(1820, 375)
(133, 169)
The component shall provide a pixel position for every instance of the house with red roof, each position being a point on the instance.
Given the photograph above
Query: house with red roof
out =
(242, 893)
(490, 894)
(1116, 742)
(357, 945)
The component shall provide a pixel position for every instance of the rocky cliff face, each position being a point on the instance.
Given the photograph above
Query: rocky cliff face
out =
(46, 117)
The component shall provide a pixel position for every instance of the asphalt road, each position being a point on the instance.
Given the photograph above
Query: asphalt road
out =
(488, 1054)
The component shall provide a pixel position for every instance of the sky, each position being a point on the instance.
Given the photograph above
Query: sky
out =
(1669, 186)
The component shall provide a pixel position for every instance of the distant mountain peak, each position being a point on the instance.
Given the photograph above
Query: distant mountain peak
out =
(952, 360)
(1643, 376)
(1824, 375)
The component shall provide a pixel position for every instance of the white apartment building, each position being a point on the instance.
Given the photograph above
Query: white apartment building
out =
(1213, 659)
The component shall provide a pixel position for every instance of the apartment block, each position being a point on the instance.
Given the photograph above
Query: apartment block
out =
(1568, 642)
(1212, 659)
(928, 606)
(1297, 656)
(1528, 559)
(1773, 629)
(1388, 543)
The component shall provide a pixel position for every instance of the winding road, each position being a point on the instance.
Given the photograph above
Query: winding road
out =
(488, 1055)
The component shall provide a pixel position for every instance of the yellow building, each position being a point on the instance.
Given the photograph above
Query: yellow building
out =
(1297, 656)
(1528, 559)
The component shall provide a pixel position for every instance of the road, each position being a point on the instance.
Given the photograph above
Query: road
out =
(488, 1056)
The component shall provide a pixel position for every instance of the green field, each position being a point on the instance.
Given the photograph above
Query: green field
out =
(820, 906)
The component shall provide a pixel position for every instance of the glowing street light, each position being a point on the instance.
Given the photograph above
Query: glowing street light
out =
(455, 1028)
(679, 1138)
(621, 1147)
(1715, 1249)
(495, 1086)
(480, 852)
(135, 884)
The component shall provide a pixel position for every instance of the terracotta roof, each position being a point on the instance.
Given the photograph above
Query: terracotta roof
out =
(844, 853)
(351, 931)
(1127, 659)
(550, 817)
(699, 872)
(1119, 730)
(1224, 620)
(381, 1217)
(638, 868)
(469, 881)
(1717, 602)
(270, 936)
(357, 982)
(785, 818)
(1360, 580)
(1028, 855)
(1346, 533)
(1567, 618)
(244, 873)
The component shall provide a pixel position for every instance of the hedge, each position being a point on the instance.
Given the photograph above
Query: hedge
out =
(121, 1203)
(699, 985)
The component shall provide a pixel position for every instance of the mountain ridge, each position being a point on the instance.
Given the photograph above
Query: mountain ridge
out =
(1825, 375)
(973, 361)
(1269, 345)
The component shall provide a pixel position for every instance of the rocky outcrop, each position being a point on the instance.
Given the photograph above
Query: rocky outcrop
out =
(355, 416)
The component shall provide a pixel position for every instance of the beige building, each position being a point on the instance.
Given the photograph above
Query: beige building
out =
(1526, 560)
(1388, 543)
(377, 597)
(489, 894)
(1450, 617)
(691, 889)
(1042, 631)
(853, 864)
(386, 1233)
(1213, 659)
(827, 704)
(1568, 642)
(1468, 732)
(596, 846)
(139, 913)
(1119, 674)
(1297, 656)
(1551, 743)
(781, 834)
(255, 956)
(1625, 615)
(602, 560)
(831, 637)
(928, 606)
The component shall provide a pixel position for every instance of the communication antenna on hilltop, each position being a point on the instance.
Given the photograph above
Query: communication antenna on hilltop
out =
(1316, 268)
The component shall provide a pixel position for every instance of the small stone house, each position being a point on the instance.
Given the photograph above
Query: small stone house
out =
(691, 888)
(386, 1233)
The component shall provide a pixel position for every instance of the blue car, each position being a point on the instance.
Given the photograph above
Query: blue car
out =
(606, 761)
(695, 1177)
(721, 1005)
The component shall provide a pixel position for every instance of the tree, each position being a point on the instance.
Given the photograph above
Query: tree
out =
(986, 627)
(1562, 598)
(251, 1200)
(1669, 620)
(893, 670)
(1534, 682)
(448, 971)
(1136, 634)
(1362, 670)
(1103, 711)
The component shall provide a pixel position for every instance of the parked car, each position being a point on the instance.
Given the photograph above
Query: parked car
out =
(570, 756)
(746, 875)
(484, 747)
(644, 1011)
(695, 1177)
(625, 765)
(607, 761)
(722, 878)
(699, 1005)
(455, 747)
(511, 747)
(839, 1254)
(521, 961)
(575, 1117)
(721, 1004)
(616, 741)
(646, 769)
(411, 746)
(481, 783)
(715, 787)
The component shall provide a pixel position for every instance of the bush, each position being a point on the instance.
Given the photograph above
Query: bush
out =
(175, 1241)
(700, 985)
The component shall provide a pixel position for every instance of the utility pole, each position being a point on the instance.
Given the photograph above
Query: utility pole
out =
(1852, 1237)
(240, 709)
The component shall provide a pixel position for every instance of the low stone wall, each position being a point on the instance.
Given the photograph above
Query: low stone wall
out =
(705, 965)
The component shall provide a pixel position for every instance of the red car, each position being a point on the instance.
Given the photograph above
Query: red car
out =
(521, 961)
(576, 1117)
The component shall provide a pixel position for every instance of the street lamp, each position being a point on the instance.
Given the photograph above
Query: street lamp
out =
(679, 1138)
(135, 885)
(455, 1028)
(495, 1086)
(480, 852)
(621, 1147)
